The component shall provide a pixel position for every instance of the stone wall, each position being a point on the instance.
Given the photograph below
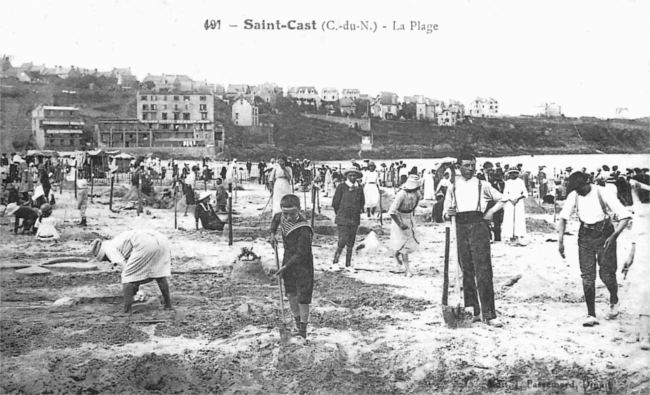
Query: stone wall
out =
(362, 124)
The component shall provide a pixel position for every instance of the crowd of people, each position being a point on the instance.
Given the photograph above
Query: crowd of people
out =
(486, 204)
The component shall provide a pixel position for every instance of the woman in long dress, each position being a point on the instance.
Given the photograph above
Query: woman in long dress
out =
(403, 232)
(428, 186)
(280, 178)
(514, 215)
(371, 189)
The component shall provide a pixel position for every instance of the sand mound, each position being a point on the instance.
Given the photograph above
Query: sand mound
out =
(539, 225)
(532, 207)
(533, 285)
(249, 272)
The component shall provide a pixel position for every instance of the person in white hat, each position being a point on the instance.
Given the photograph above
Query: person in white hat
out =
(348, 203)
(280, 182)
(82, 200)
(403, 232)
(145, 256)
(371, 189)
(514, 214)
(206, 214)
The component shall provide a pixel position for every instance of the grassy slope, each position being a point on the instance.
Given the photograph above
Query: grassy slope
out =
(300, 137)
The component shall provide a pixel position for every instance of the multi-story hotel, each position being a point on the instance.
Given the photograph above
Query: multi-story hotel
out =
(57, 128)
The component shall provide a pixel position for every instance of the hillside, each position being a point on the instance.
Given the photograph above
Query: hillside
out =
(298, 136)
(18, 100)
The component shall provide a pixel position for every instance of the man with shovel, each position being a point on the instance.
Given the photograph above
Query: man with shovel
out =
(467, 200)
(297, 269)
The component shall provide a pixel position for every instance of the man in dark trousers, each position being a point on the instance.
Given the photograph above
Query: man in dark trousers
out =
(467, 199)
(262, 167)
(596, 239)
(497, 183)
(348, 202)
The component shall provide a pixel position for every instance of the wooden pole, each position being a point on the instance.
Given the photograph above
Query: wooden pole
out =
(61, 178)
(314, 191)
(175, 206)
(110, 200)
(139, 193)
(230, 214)
(76, 170)
(92, 181)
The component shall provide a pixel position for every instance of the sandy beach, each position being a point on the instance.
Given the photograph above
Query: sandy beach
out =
(372, 330)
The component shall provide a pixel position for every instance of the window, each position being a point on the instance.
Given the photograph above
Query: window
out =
(187, 106)
(145, 107)
(176, 98)
(165, 126)
(176, 116)
(175, 107)
(204, 115)
(164, 106)
(71, 142)
(71, 113)
(61, 113)
(165, 98)
(164, 116)
(60, 141)
(186, 98)
(143, 98)
(144, 116)
(154, 98)
(203, 107)
(202, 98)
(186, 116)
(154, 107)
(236, 115)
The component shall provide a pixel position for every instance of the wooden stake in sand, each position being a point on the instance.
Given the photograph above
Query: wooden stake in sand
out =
(140, 194)
(229, 213)
(75, 179)
(175, 206)
(92, 181)
(110, 199)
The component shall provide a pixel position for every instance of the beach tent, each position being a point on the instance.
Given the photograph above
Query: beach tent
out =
(122, 161)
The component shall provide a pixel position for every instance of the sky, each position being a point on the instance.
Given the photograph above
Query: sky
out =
(590, 57)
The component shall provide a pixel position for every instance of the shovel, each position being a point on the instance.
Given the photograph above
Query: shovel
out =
(285, 335)
(454, 316)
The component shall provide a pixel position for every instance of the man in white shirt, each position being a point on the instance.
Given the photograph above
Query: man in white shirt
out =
(596, 238)
(468, 199)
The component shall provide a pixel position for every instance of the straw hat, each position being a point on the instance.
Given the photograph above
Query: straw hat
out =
(11, 209)
(513, 170)
(204, 195)
(46, 209)
(412, 182)
(352, 170)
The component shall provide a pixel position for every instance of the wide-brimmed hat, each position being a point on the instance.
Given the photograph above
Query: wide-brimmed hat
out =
(46, 208)
(371, 164)
(204, 195)
(513, 170)
(412, 182)
(11, 209)
(97, 249)
(352, 170)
